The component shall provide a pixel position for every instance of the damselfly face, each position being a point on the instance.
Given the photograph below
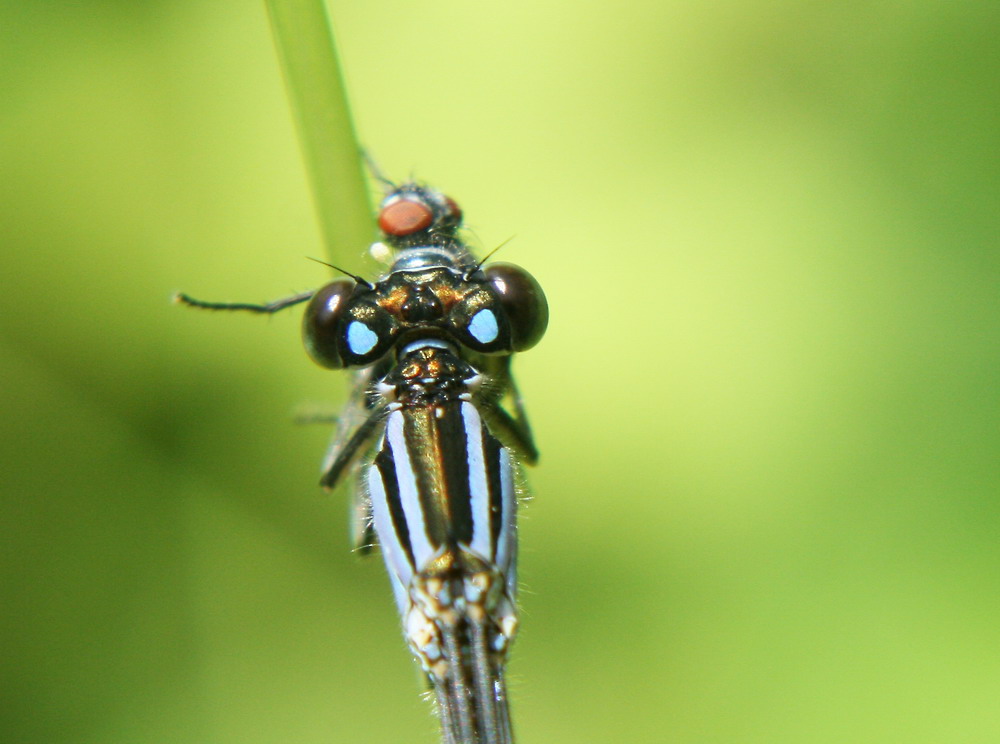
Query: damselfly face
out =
(498, 310)
(432, 440)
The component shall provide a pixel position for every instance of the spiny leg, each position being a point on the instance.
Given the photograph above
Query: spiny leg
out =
(353, 447)
(505, 413)
(268, 308)
(520, 415)
(313, 413)
(357, 428)
(511, 432)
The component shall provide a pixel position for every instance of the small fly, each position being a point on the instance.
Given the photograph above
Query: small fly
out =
(432, 440)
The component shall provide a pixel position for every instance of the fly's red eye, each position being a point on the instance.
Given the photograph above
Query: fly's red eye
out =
(405, 217)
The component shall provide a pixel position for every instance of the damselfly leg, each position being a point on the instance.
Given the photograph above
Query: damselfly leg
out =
(267, 308)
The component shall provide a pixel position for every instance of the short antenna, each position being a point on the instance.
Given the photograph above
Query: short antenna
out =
(360, 280)
(487, 257)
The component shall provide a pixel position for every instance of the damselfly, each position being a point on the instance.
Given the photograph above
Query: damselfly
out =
(431, 441)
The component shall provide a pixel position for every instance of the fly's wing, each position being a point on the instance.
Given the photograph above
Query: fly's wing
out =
(357, 428)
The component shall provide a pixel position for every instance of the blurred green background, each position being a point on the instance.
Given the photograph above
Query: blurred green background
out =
(767, 508)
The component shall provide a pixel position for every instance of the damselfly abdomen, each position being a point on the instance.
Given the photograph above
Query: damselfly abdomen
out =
(431, 442)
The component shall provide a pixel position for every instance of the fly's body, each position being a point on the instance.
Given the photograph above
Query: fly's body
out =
(431, 442)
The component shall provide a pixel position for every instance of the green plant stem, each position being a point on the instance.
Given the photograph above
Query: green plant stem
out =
(304, 40)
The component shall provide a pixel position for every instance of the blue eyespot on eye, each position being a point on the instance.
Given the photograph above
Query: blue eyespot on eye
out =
(483, 326)
(360, 338)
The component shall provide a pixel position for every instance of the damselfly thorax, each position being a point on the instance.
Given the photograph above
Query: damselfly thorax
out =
(432, 440)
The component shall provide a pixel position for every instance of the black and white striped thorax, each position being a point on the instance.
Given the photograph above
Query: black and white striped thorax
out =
(443, 493)
(441, 482)
(459, 494)
(447, 479)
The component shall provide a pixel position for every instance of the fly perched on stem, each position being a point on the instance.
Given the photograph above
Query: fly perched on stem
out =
(432, 440)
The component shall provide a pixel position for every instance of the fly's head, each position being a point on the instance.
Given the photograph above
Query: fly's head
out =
(412, 214)
(496, 310)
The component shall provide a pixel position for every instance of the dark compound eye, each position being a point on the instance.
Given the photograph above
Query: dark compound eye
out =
(344, 328)
(523, 302)
(322, 322)
(405, 217)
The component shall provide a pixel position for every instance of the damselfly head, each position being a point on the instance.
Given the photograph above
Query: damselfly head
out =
(413, 214)
(497, 311)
